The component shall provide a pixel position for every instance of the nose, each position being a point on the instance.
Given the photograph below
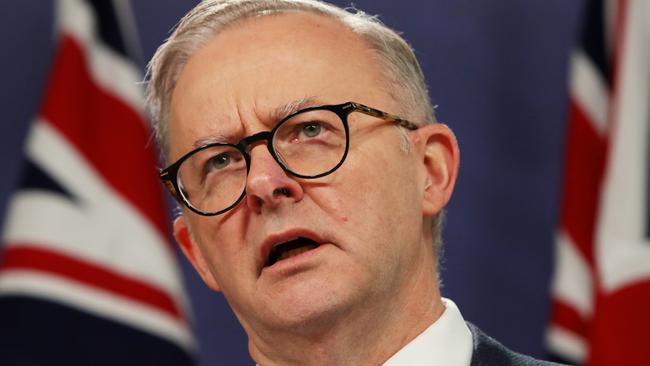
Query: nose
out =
(268, 185)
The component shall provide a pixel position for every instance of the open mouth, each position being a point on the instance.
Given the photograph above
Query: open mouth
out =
(290, 248)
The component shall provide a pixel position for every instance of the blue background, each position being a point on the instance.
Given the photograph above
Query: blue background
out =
(498, 71)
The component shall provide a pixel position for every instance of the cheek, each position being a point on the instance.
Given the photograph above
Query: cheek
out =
(219, 244)
(385, 187)
(365, 191)
(330, 200)
(375, 176)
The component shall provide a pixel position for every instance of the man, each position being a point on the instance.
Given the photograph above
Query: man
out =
(306, 200)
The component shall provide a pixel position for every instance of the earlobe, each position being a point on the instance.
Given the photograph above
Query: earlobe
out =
(440, 157)
(193, 253)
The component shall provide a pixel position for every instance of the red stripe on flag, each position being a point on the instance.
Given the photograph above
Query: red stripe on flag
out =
(620, 327)
(110, 135)
(583, 176)
(42, 260)
(568, 318)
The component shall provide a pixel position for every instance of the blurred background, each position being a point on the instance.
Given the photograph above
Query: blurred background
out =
(497, 71)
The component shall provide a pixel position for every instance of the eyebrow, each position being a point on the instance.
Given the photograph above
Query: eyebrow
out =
(276, 115)
(290, 108)
(214, 139)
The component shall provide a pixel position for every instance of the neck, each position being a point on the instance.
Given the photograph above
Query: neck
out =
(367, 335)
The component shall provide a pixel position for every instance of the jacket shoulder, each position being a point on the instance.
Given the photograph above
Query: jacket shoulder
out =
(489, 352)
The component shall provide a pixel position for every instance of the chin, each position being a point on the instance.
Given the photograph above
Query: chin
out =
(307, 309)
(307, 321)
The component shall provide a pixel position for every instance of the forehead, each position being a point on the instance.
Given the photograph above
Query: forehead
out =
(235, 83)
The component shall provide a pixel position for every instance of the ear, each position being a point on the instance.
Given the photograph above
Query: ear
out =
(440, 157)
(193, 253)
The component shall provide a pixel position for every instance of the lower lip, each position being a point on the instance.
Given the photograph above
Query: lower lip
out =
(295, 262)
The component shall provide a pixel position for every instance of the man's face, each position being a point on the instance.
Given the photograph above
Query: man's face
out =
(367, 217)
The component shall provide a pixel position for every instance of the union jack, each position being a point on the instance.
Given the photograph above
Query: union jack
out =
(87, 273)
(601, 286)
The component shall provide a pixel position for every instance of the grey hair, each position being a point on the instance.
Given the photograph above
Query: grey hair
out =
(210, 17)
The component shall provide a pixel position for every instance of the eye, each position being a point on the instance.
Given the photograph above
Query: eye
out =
(311, 129)
(219, 161)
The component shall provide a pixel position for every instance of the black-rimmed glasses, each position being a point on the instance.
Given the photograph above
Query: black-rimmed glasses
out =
(308, 144)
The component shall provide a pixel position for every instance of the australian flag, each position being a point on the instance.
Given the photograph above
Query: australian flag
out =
(87, 273)
(601, 289)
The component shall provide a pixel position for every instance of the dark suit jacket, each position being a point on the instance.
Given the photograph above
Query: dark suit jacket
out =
(488, 352)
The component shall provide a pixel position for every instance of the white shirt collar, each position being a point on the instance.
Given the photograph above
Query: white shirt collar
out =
(448, 341)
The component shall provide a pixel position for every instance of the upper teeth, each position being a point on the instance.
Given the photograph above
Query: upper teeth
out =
(286, 241)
